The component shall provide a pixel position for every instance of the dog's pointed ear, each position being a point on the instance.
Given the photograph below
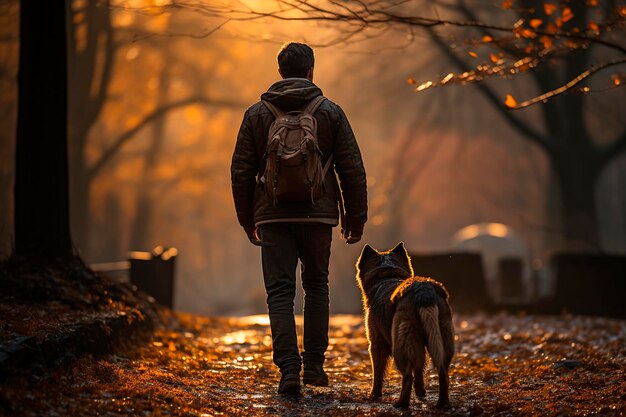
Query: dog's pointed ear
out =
(366, 253)
(400, 249)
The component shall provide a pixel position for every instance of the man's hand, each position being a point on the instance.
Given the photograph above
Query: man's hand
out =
(253, 236)
(352, 237)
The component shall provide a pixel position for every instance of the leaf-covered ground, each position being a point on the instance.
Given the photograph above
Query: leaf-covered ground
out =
(47, 299)
(197, 366)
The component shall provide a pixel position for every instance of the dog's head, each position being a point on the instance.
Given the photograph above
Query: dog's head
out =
(374, 265)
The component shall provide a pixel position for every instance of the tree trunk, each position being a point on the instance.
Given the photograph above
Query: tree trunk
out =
(41, 175)
(92, 54)
(577, 174)
(141, 233)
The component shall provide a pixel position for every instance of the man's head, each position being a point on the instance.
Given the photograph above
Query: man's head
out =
(296, 60)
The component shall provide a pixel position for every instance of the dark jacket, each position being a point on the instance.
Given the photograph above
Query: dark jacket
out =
(335, 137)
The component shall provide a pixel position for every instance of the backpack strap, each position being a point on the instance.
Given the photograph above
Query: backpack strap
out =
(339, 194)
(311, 108)
(327, 166)
(273, 109)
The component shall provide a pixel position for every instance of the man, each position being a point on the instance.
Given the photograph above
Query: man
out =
(292, 231)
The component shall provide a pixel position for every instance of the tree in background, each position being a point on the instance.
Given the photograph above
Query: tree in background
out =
(95, 43)
(92, 51)
(560, 44)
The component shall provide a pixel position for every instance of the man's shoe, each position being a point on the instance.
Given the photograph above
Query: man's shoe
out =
(314, 375)
(289, 384)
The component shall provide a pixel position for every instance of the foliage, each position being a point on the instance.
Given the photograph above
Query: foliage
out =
(505, 365)
(539, 35)
(530, 34)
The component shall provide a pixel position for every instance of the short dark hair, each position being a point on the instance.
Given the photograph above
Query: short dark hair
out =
(295, 60)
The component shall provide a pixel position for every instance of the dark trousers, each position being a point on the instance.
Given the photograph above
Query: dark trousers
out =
(284, 245)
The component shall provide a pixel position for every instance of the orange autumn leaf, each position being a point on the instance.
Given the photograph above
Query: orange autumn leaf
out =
(535, 23)
(529, 49)
(621, 11)
(494, 58)
(567, 15)
(411, 80)
(507, 4)
(510, 102)
(549, 8)
(593, 26)
(473, 54)
(592, 3)
(487, 39)
(546, 41)
(551, 28)
(617, 80)
(572, 44)
(524, 32)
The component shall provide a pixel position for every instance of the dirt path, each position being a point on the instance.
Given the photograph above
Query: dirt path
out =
(198, 366)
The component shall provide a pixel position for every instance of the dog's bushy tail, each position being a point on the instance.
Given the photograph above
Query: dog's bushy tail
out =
(430, 321)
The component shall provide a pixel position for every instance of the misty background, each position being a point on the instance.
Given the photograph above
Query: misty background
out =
(156, 100)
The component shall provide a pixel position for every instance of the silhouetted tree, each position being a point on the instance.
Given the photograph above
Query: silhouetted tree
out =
(42, 227)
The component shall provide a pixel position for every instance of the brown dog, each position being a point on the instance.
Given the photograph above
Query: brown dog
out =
(405, 315)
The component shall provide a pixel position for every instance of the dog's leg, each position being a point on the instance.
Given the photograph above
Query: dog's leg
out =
(400, 333)
(447, 335)
(379, 354)
(447, 331)
(443, 401)
(405, 395)
(418, 372)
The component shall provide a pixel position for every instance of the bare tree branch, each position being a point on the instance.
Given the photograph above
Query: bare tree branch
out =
(203, 35)
(154, 115)
(522, 127)
(110, 49)
(568, 86)
(380, 16)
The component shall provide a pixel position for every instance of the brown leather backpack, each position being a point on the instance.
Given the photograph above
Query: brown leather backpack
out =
(293, 164)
